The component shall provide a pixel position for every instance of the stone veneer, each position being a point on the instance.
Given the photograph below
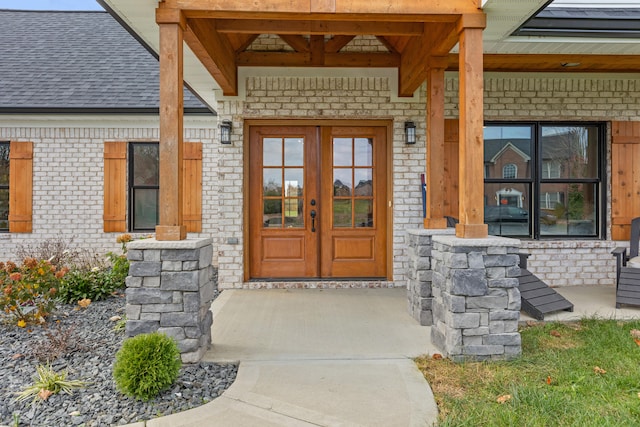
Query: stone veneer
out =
(476, 300)
(169, 290)
(419, 273)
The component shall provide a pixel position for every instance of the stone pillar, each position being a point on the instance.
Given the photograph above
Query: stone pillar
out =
(419, 293)
(476, 300)
(169, 289)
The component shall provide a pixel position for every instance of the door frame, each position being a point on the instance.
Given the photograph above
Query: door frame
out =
(248, 123)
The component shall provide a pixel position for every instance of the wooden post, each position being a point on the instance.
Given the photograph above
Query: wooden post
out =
(435, 144)
(471, 148)
(172, 24)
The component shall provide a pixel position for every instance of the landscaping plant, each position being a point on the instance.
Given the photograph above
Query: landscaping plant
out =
(48, 382)
(29, 291)
(146, 364)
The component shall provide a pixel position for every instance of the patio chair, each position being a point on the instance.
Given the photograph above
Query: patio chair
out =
(536, 297)
(628, 269)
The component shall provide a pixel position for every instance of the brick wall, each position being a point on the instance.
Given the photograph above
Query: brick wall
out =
(68, 184)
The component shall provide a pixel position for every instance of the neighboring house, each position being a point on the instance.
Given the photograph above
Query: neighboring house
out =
(318, 184)
(79, 102)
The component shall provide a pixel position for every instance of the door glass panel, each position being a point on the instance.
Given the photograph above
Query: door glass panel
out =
(293, 182)
(272, 182)
(342, 151)
(293, 151)
(364, 213)
(272, 151)
(293, 216)
(364, 152)
(364, 182)
(342, 213)
(272, 213)
(146, 209)
(342, 182)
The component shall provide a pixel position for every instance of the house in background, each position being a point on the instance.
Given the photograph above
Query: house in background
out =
(318, 186)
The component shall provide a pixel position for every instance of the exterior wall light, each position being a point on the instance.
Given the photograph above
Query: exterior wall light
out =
(225, 132)
(409, 133)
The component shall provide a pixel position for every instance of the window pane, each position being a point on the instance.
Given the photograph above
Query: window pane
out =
(293, 151)
(272, 182)
(364, 213)
(364, 152)
(506, 209)
(145, 209)
(4, 209)
(342, 213)
(364, 182)
(272, 213)
(293, 216)
(342, 154)
(4, 164)
(508, 145)
(293, 183)
(146, 162)
(573, 149)
(272, 151)
(342, 182)
(571, 209)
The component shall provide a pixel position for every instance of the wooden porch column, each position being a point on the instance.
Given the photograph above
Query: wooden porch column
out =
(435, 144)
(172, 24)
(471, 151)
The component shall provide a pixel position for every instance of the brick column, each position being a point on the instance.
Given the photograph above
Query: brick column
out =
(476, 300)
(169, 290)
(419, 295)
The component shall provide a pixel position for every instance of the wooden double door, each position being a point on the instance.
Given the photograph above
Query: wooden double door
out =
(317, 202)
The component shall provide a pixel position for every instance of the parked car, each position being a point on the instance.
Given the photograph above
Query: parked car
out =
(505, 214)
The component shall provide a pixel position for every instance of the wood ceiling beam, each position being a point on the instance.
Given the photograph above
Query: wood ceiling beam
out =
(298, 43)
(296, 27)
(240, 42)
(384, 7)
(335, 43)
(540, 63)
(215, 52)
(316, 45)
(390, 47)
(296, 59)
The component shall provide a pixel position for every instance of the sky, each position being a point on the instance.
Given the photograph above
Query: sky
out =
(50, 4)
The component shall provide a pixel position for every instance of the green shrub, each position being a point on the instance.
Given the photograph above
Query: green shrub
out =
(146, 364)
(97, 283)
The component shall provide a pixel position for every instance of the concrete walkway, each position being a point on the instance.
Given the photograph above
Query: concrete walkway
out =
(339, 357)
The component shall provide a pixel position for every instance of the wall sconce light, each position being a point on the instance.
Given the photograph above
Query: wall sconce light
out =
(225, 132)
(409, 133)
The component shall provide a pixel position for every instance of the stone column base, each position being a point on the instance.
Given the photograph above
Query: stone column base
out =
(169, 290)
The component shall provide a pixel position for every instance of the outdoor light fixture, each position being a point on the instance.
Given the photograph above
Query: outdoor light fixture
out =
(409, 133)
(225, 132)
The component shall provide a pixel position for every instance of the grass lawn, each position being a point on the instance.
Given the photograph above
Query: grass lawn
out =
(576, 374)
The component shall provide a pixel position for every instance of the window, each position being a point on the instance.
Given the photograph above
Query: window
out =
(509, 171)
(544, 179)
(4, 186)
(131, 199)
(144, 185)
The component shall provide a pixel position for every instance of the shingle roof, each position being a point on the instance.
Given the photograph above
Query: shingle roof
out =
(76, 61)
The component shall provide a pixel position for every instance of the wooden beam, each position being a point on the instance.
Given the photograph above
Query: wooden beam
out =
(296, 59)
(316, 45)
(240, 42)
(390, 47)
(215, 53)
(471, 148)
(298, 43)
(396, 7)
(171, 125)
(435, 145)
(276, 26)
(335, 43)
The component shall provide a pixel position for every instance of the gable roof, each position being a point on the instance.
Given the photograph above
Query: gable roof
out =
(77, 62)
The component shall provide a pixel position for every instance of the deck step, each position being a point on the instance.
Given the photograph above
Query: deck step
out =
(538, 298)
(628, 290)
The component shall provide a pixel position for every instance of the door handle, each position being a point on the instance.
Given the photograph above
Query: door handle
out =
(313, 220)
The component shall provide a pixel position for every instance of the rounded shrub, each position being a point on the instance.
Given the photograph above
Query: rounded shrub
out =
(146, 364)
